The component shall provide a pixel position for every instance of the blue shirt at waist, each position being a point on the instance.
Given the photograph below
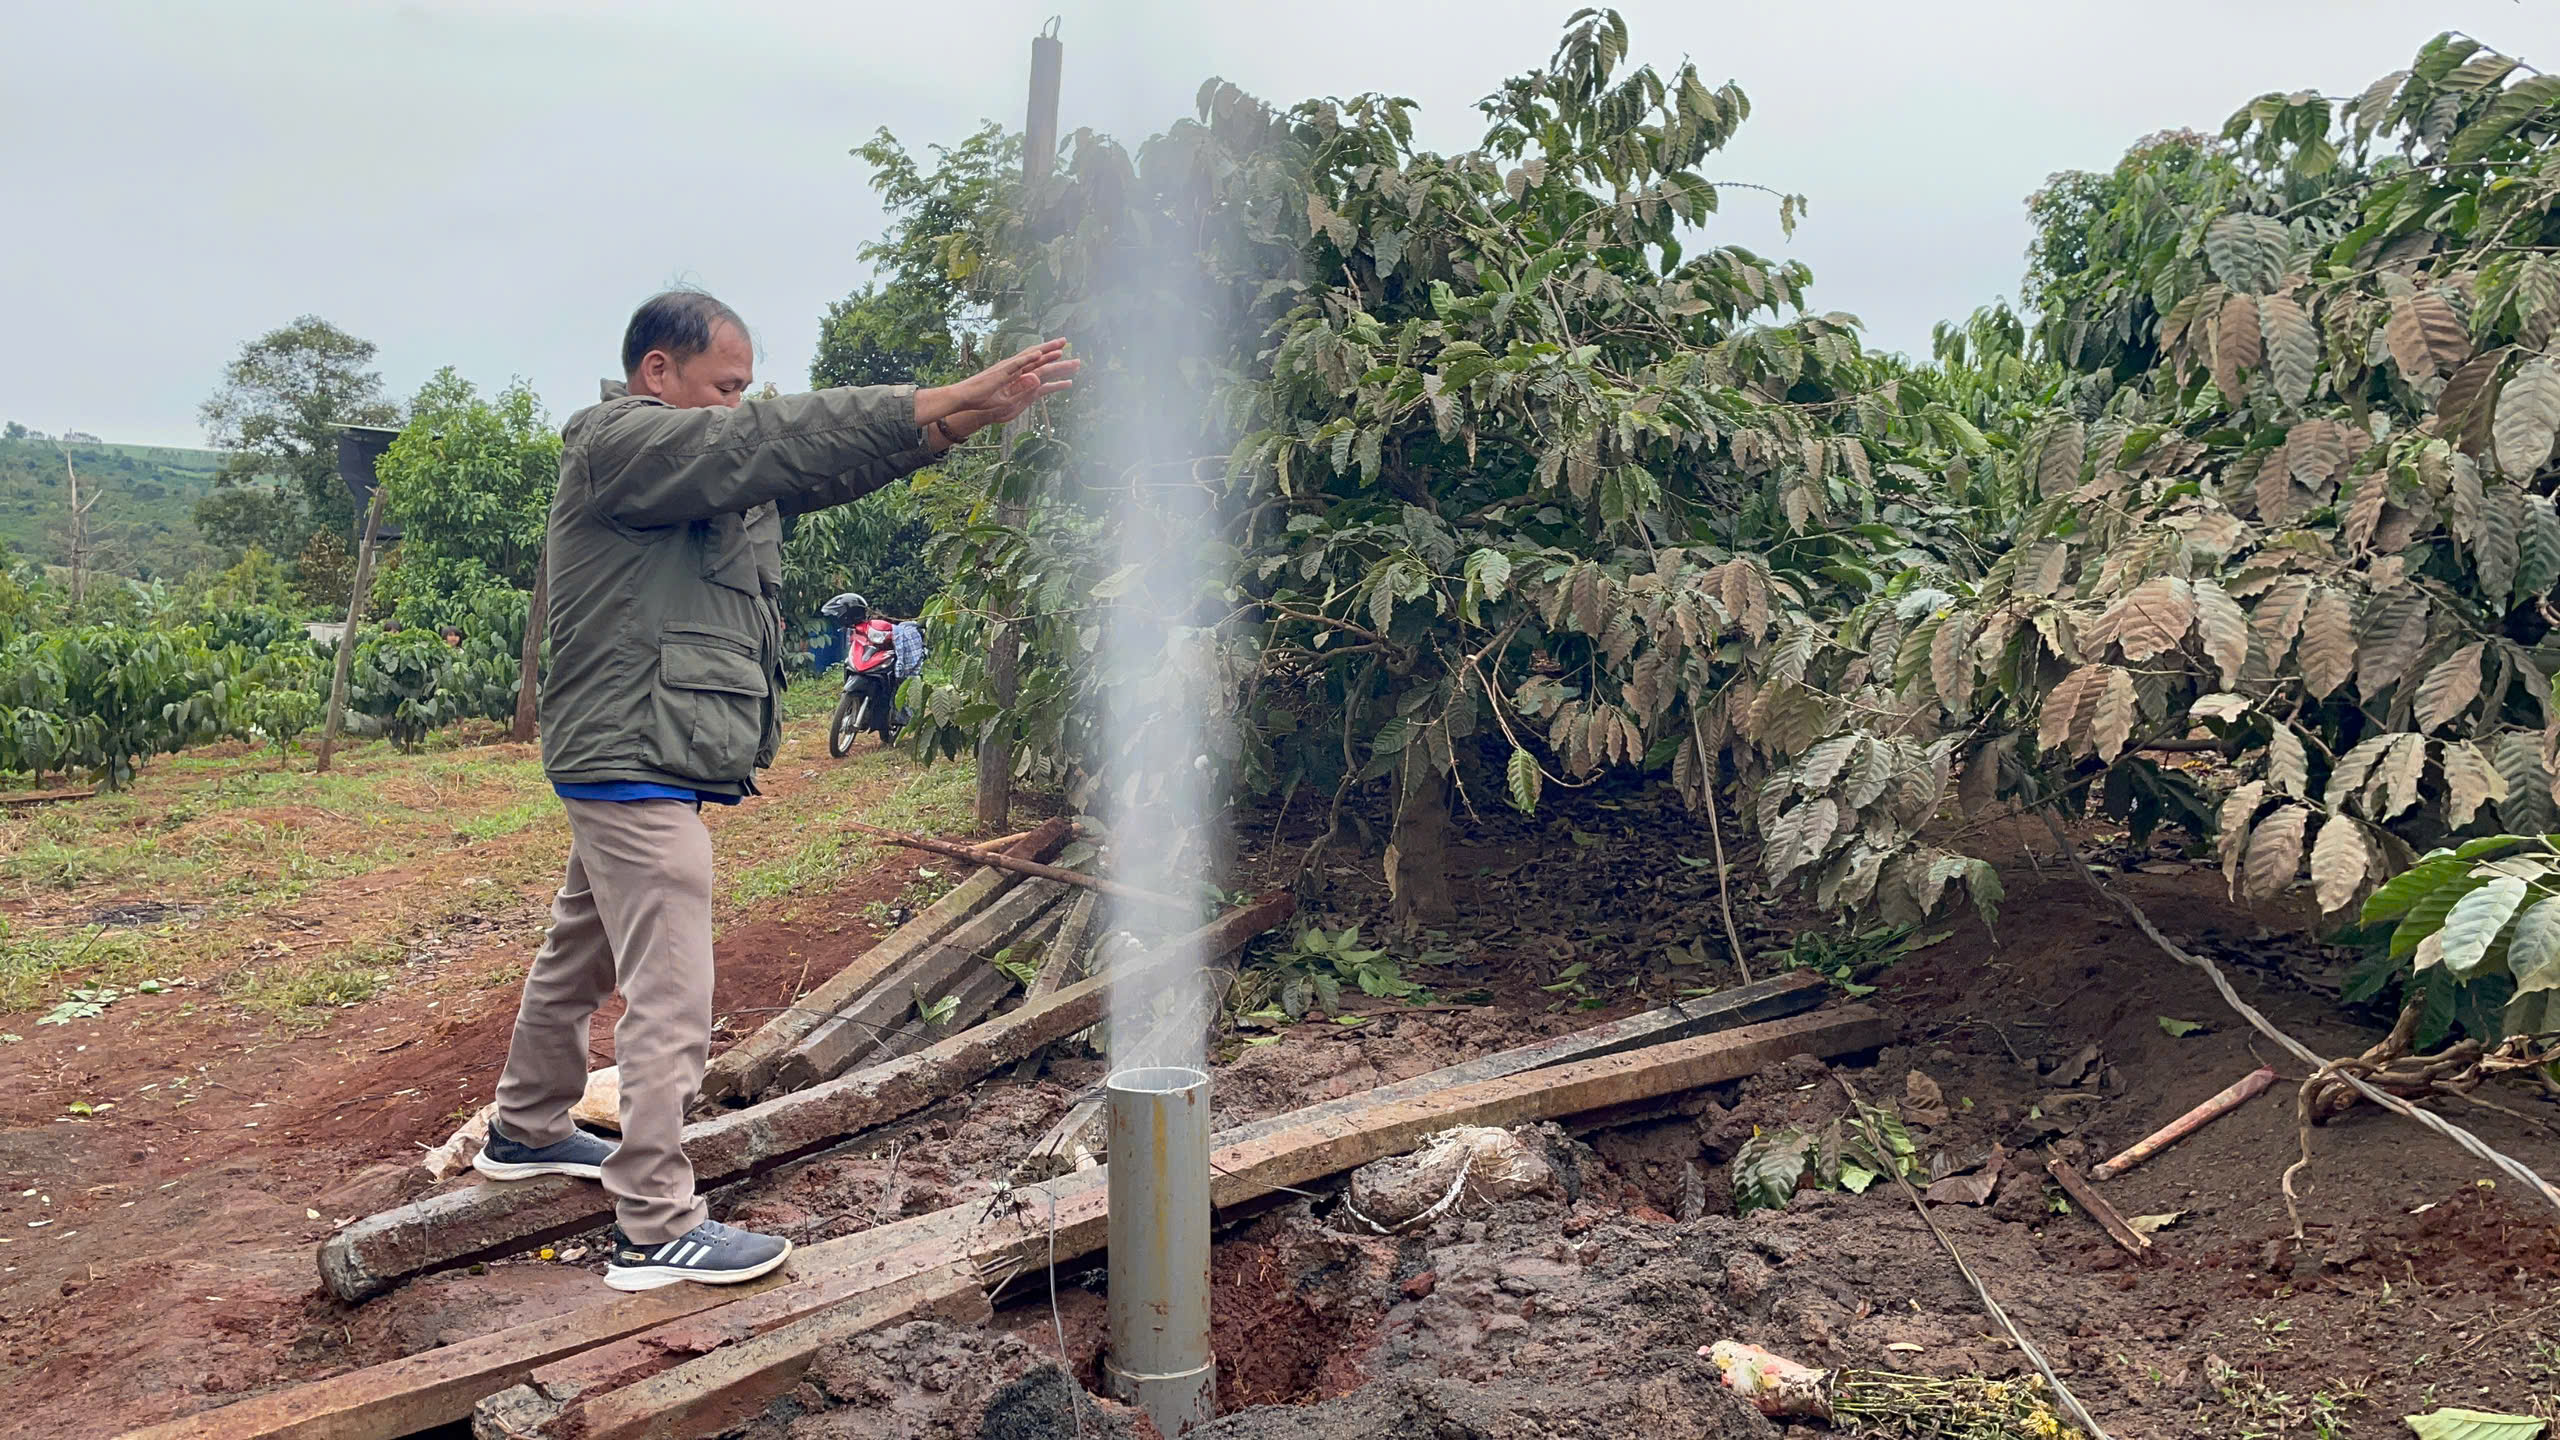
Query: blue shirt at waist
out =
(619, 790)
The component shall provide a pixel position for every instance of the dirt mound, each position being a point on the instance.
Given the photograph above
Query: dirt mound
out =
(928, 1381)
(1678, 1404)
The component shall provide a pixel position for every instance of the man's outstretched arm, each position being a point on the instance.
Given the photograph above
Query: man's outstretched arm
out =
(655, 465)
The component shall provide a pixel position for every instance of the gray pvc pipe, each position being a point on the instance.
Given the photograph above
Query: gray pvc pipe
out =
(1160, 1359)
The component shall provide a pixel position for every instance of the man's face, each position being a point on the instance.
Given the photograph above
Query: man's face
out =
(717, 376)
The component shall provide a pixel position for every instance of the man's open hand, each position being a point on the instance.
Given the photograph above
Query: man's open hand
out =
(998, 393)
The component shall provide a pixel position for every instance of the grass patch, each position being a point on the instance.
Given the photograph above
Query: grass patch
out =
(290, 991)
(813, 697)
(237, 826)
(235, 835)
(521, 816)
(938, 798)
(33, 962)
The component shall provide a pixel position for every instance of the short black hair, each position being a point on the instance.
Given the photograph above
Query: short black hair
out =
(679, 322)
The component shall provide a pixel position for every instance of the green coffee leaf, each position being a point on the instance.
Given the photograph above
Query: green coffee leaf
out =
(2472, 925)
(2459, 1424)
(1524, 778)
(2533, 952)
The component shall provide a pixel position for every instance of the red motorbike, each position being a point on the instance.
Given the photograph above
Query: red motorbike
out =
(870, 688)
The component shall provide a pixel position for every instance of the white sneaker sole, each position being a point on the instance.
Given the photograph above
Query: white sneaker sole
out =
(500, 1170)
(655, 1277)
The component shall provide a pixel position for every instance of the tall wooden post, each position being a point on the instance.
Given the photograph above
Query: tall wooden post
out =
(1004, 653)
(347, 641)
(537, 618)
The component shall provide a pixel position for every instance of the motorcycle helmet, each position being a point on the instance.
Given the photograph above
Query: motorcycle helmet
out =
(846, 609)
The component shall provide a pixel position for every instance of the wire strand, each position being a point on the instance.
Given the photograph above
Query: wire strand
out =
(1982, 1292)
(2473, 1144)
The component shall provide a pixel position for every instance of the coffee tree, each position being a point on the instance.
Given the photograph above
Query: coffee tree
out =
(1467, 412)
(2297, 500)
(1519, 487)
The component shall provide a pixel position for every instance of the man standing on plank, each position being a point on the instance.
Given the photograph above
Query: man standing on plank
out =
(665, 555)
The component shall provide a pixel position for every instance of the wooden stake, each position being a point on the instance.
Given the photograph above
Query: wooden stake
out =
(2135, 1243)
(1026, 867)
(79, 538)
(347, 641)
(2231, 1098)
(1004, 648)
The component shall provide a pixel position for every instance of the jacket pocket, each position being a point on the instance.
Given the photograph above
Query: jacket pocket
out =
(729, 554)
(712, 692)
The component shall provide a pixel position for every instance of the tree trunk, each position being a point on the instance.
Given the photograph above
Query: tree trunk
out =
(347, 641)
(1418, 854)
(1004, 679)
(529, 670)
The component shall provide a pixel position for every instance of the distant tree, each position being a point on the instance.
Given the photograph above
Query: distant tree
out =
(324, 571)
(16, 431)
(253, 516)
(2088, 223)
(470, 481)
(276, 413)
(258, 581)
(944, 254)
(879, 336)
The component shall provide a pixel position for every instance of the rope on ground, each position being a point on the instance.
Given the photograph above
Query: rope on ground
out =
(1982, 1292)
(1715, 830)
(2479, 1149)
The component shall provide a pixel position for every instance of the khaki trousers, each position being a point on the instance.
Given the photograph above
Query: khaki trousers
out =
(634, 912)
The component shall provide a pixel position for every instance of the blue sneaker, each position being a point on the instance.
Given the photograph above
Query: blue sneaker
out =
(708, 1254)
(504, 1158)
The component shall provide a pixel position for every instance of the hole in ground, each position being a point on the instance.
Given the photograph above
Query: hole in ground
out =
(1268, 1325)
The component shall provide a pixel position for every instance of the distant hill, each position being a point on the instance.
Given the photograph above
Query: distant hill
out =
(144, 522)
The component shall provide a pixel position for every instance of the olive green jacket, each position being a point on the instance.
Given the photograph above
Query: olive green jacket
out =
(665, 556)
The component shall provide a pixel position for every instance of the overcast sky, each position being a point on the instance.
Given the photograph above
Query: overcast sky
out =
(493, 184)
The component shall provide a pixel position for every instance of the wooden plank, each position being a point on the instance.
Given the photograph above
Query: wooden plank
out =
(440, 1386)
(457, 1226)
(1066, 1218)
(541, 1404)
(857, 1031)
(1065, 958)
(43, 797)
(1305, 1147)
(733, 1384)
(1790, 993)
(746, 1068)
(974, 996)
(1067, 949)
